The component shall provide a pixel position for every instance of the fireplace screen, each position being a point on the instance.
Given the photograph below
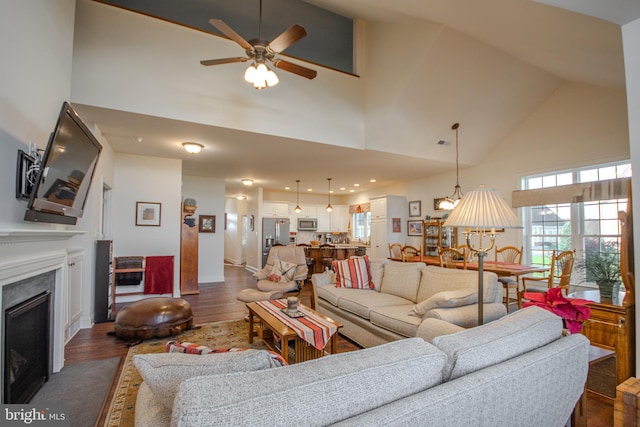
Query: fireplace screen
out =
(26, 348)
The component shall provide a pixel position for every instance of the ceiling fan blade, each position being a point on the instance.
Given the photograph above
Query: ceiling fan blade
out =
(287, 38)
(223, 61)
(295, 69)
(228, 31)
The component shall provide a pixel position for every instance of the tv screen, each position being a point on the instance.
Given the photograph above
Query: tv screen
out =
(66, 171)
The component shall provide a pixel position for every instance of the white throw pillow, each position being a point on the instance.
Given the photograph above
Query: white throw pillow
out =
(163, 372)
(282, 271)
(447, 299)
(401, 279)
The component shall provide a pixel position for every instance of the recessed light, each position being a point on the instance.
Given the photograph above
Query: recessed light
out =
(352, 191)
(240, 196)
(356, 185)
(342, 188)
(372, 180)
(246, 181)
(287, 188)
(309, 189)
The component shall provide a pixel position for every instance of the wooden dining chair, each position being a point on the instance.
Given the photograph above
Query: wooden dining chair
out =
(395, 251)
(409, 253)
(511, 255)
(450, 257)
(559, 276)
(468, 253)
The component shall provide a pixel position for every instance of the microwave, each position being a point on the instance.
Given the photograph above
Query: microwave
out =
(307, 224)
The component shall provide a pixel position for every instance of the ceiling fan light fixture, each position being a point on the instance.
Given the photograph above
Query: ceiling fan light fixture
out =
(192, 147)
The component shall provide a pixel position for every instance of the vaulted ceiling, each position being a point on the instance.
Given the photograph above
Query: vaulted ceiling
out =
(486, 64)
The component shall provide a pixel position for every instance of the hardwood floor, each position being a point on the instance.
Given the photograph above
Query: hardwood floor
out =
(216, 302)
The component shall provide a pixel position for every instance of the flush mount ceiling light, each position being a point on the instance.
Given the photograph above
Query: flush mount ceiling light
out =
(246, 181)
(329, 207)
(240, 196)
(297, 209)
(192, 147)
(452, 201)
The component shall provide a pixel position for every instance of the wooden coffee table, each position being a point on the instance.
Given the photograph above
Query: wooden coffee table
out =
(282, 339)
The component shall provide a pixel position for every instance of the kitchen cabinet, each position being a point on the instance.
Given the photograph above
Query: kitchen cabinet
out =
(308, 211)
(435, 236)
(324, 220)
(383, 210)
(340, 218)
(275, 209)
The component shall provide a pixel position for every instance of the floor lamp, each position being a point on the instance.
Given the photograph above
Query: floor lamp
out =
(481, 212)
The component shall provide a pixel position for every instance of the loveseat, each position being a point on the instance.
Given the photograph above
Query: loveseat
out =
(516, 371)
(409, 299)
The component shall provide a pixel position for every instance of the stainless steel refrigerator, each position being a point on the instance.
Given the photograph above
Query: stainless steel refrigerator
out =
(274, 230)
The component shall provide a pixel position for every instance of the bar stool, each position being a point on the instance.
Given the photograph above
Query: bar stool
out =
(308, 258)
(328, 253)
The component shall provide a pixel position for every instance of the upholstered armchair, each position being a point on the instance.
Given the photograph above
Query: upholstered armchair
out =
(285, 271)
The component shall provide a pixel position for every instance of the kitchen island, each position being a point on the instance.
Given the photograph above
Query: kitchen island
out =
(342, 251)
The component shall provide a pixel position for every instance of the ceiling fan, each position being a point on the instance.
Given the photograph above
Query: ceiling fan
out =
(261, 51)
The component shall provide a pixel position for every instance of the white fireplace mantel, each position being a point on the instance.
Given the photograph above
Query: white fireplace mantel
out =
(17, 235)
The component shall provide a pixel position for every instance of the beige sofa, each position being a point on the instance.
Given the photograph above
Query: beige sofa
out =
(444, 297)
(477, 377)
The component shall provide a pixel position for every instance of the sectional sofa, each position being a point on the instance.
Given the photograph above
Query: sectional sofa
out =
(408, 300)
(516, 371)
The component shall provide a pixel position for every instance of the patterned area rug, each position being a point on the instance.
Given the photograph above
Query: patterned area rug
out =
(213, 335)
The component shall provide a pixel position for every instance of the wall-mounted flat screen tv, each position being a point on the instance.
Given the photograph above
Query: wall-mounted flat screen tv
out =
(66, 171)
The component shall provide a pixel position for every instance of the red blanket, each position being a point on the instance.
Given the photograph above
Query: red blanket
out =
(158, 275)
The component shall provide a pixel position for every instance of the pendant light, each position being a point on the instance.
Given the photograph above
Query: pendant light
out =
(452, 201)
(329, 207)
(297, 208)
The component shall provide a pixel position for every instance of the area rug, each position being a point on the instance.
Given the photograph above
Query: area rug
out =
(213, 335)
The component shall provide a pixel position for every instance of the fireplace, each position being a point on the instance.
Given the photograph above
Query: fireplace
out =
(27, 336)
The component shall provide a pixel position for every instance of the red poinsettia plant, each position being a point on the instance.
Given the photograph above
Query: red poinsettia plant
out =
(573, 311)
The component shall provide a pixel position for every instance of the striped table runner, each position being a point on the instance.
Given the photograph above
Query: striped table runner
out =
(313, 329)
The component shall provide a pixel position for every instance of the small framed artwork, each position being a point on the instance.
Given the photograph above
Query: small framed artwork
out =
(207, 223)
(414, 227)
(395, 225)
(415, 208)
(436, 203)
(148, 213)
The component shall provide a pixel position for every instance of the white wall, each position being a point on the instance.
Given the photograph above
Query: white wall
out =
(233, 250)
(209, 193)
(631, 45)
(127, 61)
(147, 179)
(36, 44)
(578, 125)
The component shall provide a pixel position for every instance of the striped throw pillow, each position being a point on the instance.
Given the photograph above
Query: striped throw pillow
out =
(353, 273)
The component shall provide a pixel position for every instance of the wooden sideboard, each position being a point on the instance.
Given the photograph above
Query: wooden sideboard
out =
(612, 326)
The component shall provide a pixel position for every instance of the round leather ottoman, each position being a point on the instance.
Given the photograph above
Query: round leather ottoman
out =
(153, 318)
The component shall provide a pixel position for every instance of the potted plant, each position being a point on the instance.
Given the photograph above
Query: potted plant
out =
(603, 267)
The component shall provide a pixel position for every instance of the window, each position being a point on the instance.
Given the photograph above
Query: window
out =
(361, 229)
(586, 227)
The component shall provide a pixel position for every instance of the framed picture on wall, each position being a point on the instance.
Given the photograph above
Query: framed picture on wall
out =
(395, 225)
(207, 223)
(415, 208)
(148, 213)
(414, 227)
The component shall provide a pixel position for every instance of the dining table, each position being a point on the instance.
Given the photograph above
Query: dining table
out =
(502, 269)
